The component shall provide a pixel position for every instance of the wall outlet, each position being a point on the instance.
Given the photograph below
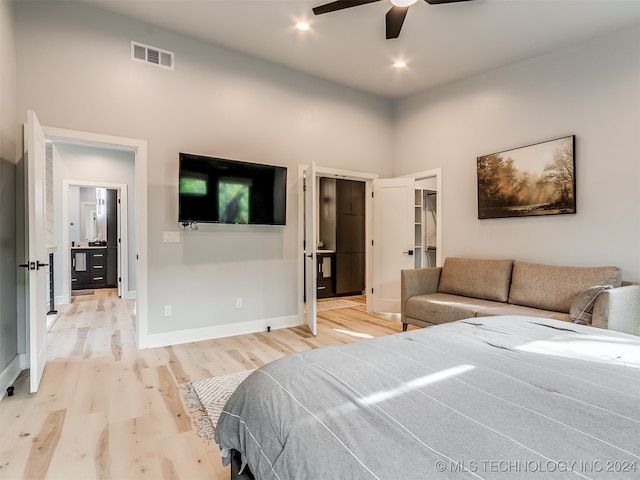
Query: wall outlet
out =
(168, 310)
(238, 302)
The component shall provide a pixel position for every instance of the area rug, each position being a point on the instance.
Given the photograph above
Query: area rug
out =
(77, 293)
(206, 398)
(335, 305)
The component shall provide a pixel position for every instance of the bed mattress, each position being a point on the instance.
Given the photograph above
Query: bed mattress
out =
(493, 397)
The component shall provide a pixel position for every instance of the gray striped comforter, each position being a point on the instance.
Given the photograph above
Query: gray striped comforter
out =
(496, 397)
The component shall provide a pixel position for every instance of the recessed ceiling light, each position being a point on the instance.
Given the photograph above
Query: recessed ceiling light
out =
(400, 64)
(403, 3)
(304, 26)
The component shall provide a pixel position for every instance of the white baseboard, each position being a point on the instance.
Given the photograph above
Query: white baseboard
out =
(9, 375)
(219, 331)
(131, 294)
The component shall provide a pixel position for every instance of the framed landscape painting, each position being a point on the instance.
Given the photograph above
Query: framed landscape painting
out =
(537, 179)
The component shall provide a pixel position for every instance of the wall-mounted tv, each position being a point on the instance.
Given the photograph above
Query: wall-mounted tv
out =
(218, 190)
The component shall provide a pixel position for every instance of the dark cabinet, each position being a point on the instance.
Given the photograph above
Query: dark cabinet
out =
(88, 268)
(350, 197)
(350, 233)
(98, 262)
(350, 278)
(325, 277)
(350, 237)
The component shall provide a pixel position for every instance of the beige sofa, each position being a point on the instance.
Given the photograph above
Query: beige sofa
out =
(464, 288)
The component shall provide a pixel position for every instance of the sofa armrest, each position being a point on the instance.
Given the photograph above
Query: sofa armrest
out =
(618, 309)
(417, 281)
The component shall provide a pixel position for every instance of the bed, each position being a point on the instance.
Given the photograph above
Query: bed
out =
(496, 397)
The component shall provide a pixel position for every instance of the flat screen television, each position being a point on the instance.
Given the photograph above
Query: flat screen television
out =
(218, 190)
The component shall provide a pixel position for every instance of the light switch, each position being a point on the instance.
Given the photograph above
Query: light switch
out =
(172, 237)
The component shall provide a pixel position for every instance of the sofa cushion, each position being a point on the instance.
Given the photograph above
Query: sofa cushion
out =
(508, 309)
(477, 278)
(552, 287)
(442, 307)
(581, 310)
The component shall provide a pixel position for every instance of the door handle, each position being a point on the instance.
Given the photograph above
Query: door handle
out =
(409, 252)
(29, 265)
(40, 264)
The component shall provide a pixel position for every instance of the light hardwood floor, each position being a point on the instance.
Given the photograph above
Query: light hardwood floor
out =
(105, 410)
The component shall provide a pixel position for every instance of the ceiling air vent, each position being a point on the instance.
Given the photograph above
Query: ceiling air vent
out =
(148, 54)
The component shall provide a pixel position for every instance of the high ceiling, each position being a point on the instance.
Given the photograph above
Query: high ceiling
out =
(439, 43)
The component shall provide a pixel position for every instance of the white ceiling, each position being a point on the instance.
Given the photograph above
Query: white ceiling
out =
(440, 43)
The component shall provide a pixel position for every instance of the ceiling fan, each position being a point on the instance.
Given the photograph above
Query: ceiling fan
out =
(394, 18)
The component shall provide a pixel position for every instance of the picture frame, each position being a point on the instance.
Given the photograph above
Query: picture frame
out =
(537, 179)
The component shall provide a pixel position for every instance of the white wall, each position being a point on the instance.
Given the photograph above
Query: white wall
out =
(591, 90)
(92, 164)
(8, 126)
(8, 175)
(75, 71)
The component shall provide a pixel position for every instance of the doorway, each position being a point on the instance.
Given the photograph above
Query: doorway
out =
(95, 254)
(432, 180)
(428, 205)
(136, 224)
(307, 315)
(341, 247)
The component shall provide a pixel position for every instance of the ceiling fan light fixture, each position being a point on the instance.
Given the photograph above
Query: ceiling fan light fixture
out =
(393, 19)
(403, 3)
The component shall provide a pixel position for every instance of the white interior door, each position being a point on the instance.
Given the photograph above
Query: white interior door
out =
(35, 158)
(393, 239)
(311, 276)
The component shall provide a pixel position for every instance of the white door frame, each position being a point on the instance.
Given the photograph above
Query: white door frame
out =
(139, 149)
(123, 246)
(346, 175)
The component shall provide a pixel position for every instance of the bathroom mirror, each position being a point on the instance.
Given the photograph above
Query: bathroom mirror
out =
(87, 209)
(88, 222)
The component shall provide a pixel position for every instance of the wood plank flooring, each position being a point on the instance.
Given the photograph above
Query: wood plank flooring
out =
(108, 411)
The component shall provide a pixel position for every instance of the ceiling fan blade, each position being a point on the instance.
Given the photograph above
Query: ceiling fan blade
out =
(394, 20)
(438, 2)
(340, 5)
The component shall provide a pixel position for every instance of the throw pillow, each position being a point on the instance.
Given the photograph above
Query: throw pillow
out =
(582, 307)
